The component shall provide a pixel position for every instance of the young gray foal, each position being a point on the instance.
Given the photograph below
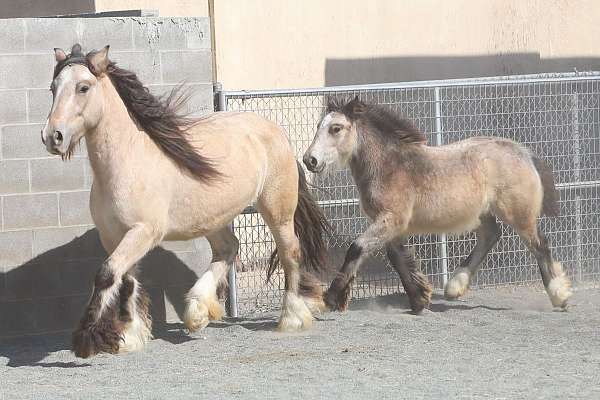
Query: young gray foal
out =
(407, 187)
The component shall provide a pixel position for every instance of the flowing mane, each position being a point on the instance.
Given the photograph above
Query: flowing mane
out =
(159, 117)
(387, 125)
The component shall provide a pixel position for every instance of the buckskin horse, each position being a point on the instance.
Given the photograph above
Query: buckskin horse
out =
(161, 176)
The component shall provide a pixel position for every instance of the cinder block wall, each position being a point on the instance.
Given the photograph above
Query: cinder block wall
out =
(49, 249)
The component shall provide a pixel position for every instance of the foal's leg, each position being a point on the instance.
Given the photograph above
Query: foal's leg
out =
(376, 235)
(488, 234)
(415, 284)
(101, 328)
(557, 284)
(202, 300)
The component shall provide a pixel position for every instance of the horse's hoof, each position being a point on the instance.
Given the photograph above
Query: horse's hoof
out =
(199, 312)
(457, 285)
(93, 339)
(295, 315)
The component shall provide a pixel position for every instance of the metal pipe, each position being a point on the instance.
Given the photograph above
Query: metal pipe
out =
(443, 244)
(515, 79)
(221, 105)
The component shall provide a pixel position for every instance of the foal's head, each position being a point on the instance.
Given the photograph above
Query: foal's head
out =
(76, 98)
(348, 126)
(336, 136)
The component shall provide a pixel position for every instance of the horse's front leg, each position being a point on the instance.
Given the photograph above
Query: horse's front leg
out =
(376, 236)
(116, 316)
(415, 284)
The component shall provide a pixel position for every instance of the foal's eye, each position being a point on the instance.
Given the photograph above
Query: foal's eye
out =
(84, 89)
(336, 129)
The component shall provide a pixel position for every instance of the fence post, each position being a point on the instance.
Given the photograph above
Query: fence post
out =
(443, 241)
(577, 179)
(221, 105)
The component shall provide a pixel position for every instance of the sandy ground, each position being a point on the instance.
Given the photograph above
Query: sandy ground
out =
(495, 344)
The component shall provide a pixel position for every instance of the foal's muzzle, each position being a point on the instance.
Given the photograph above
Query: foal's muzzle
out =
(312, 164)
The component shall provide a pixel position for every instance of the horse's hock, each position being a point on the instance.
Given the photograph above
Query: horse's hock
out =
(556, 116)
(49, 249)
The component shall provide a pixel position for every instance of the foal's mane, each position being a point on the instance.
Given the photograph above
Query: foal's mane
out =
(388, 126)
(158, 116)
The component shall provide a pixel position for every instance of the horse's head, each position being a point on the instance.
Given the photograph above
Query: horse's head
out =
(77, 103)
(336, 137)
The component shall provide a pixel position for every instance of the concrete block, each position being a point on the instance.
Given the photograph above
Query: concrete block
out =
(189, 66)
(54, 174)
(27, 70)
(52, 239)
(39, 102)
(13, 106)
(98, 32)
(15, 248)
(145, 64)
(30, 211)
(14, 176)
(171, 33)
(12, 35)
(23, 141)
(16, 318)
(59, 314)
(200, 101)
(44, 34)
(75, 208)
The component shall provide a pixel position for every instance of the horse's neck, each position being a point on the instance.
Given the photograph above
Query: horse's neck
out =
(114, 140)
(366, 163)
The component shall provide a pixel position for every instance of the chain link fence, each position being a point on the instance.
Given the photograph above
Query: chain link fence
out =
(557, 116)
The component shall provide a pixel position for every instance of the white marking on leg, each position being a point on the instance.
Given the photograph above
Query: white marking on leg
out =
(137, 333)
(202, 302)
(295, 315)
(108, 297)
(559, 287)
(458, 284)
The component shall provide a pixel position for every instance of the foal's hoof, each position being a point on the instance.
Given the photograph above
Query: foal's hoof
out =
(457, 286)
(338, 295)
(295, 315)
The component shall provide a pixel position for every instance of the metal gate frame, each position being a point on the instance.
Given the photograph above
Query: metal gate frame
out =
(223, 97)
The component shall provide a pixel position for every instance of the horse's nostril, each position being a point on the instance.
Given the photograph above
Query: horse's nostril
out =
(58, 137)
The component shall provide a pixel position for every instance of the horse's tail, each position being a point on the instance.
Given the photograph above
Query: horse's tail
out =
(550, 201)
(310, 225)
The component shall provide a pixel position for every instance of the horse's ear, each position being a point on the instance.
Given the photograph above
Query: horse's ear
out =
(355, 108)
(59, 54)
(76, 50)
(98, 61)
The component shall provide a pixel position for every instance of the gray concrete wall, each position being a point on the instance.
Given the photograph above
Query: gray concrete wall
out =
(49, 249)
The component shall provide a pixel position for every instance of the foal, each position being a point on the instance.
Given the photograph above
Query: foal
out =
(407, 187)
(160, 176)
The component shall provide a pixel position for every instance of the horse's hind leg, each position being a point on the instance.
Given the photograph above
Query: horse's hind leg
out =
(488, 234)
(415, 284)
(202, 299)
(555, 281)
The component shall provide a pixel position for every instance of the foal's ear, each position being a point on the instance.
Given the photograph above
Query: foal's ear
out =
(76, 50)
(59, 54)
(354, 108)
(98, 61)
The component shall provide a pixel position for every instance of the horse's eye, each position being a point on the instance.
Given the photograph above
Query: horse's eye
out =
(336, 129)
(84, 89)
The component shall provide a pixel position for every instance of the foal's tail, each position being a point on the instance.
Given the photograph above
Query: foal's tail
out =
(550, 202)
(310, 225)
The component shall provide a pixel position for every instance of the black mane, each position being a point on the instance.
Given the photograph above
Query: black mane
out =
(388, 126)
(159, 117)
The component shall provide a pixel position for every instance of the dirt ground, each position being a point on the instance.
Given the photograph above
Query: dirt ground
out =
(503, 343)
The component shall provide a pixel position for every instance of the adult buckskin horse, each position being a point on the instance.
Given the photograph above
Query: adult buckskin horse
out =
(407, 187)
(161, 176)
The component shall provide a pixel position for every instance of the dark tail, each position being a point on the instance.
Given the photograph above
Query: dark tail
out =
(550, 202)
(310, 225)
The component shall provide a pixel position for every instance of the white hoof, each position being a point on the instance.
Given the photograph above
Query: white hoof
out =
(295, 315)
(137, 333)
(199, 312)
(458, 285)
(559, 288)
